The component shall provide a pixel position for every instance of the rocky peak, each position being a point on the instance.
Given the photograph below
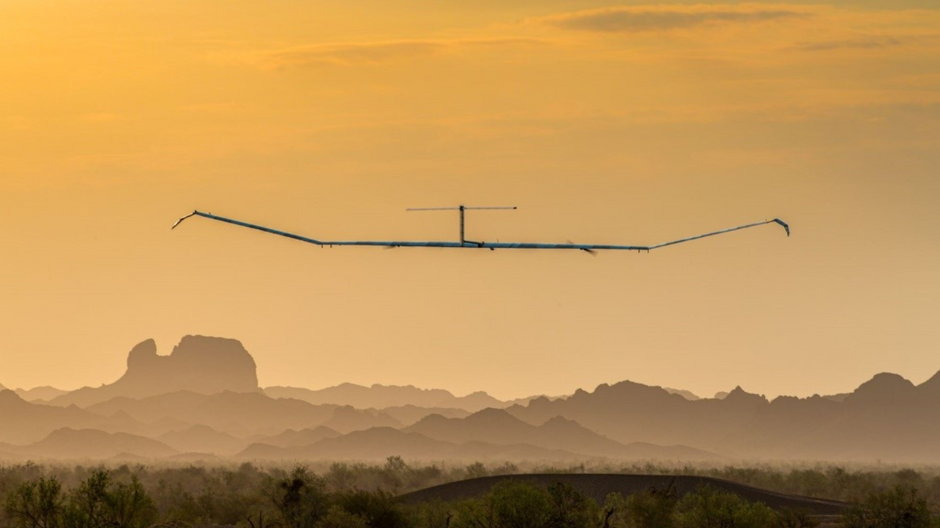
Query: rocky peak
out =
(200, 364)
(491, 416)
(740, 397)
(885, 387)
(142, 355)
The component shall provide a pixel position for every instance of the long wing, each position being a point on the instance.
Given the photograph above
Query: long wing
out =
(786, 227)
(469, 244)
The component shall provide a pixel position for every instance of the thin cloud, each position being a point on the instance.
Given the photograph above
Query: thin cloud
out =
(874, 42)
(375, 52)
(664, 18)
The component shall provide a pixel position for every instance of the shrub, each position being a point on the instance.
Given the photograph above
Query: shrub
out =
(710, 508)
(36, 504)
(300, 499)
(900, 507)
(570, 508)
(377, 508)
(651, 509)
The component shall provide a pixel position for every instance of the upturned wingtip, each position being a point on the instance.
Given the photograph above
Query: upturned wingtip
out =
(786, 226)
(178, 222)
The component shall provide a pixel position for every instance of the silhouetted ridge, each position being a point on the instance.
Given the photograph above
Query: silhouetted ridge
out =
(198, 363)
(379, 396)
(740, 397)
(560, 421)
(298, 438)
(203, 397)
(885, 418)
(43, 393)
(8, 397)
(67, 443)
(346, 419)
(201, 364)
(931, 387)
(24, 422)
(499, 427)
(631, 389)
(491, 418)
(883, 388)
(202, 439)
(689, 395)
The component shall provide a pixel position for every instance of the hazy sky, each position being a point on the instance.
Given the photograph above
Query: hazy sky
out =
(604, 122)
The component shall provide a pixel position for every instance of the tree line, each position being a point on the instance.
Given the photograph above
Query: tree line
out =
(343, 495)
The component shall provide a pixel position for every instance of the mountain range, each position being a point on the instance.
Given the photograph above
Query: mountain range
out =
(363, 397)
(203, 401)
(885, 418)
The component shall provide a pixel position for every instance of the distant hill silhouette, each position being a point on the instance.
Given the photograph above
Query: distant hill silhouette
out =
(206, 365)
(379, 443)
(240, 414)
(376, 443)
(689, 395)
(409, 414)
(491, 434)
(496, 426)
(886, 418)
(23, 422)
(633, 412)
(69, 443)
(346, 419)
(44, 393)
(298, 438)
(204, 398)
(202, 439)
(379, 396)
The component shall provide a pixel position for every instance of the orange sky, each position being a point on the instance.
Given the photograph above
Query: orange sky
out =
(604, 122)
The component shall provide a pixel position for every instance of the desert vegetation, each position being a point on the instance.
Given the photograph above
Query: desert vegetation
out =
(362, 495)
(222, 452)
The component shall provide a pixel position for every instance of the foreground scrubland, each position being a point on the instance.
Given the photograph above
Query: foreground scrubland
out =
(364, 495)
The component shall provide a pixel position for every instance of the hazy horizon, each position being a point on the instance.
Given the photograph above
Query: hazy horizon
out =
(164, 351)
(604, 122)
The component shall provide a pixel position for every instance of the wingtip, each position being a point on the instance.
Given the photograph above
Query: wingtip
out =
(178, 222)
(786, 226)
